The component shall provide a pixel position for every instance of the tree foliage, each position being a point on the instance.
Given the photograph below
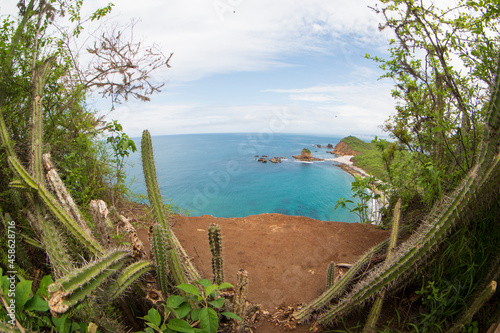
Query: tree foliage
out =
(443, 63)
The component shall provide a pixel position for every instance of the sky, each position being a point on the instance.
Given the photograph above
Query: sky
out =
(257, 66)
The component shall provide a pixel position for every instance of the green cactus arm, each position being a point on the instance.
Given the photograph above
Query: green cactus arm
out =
(477, 303)
(53, 244)
(420, 245)
(331, 273)
(156, 203)
(215, 242)
(4, 136)
(88, 272)
(167, 260)
(74, 287)
(39, 79)
(80, 294)
(86, 240)
(374, 314)
(338, 288)
(160, 249)
(128, 276)
(148, 165)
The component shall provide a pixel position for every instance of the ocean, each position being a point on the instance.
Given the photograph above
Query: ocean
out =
(219, 175)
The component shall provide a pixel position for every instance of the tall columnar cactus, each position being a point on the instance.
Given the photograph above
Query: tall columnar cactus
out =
(481, 182)
(168, 265)
(154, 195)
(39, 78)
(374, 315)
(76, 286)
(331, 274)
(477, 303)
(215, 241)
(156, 203)
(88, 242)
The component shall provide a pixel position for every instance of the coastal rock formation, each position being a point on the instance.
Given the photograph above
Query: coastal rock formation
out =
(262, 159)
(275, 159)
(306, 156)
(327, 146)
(343, 148)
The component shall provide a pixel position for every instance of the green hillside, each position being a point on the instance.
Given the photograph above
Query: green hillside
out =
(371, 158)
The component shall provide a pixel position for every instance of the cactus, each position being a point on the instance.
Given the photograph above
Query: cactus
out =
(156, 203)
(444, 218)
(476, 304)
(128, 276)
(331, 274)
(215, 241)
(87, 241)
(167, 260)
(53, 244)
(154, 195)
(374, 315)
(239, 304)
(76, 286)
(39, 78)
(338, 288)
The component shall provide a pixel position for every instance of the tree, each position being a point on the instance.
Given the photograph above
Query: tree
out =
(443, 63)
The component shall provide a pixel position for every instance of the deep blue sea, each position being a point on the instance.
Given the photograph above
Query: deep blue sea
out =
(218, 174)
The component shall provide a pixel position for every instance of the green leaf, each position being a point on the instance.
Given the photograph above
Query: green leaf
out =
(195, 314)
(43, 289)
(175, 301)
(225, 285)
(231, 315)
(218, 303)
(209, 321)
(154, 317)
(23, 293)
(205, 283)
(180, 325)
(210, 289)
(189, 288)
(36, 303)
(183, 310)
(61, 323)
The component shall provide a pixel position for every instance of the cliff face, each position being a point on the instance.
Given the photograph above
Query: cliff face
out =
(343, 149)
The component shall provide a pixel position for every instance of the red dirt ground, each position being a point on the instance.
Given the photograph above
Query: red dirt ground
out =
(286, 257)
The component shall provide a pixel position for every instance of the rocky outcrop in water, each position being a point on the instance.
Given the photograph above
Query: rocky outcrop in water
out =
(306, 156)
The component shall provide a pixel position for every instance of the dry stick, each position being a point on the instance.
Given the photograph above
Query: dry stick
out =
(62, 193)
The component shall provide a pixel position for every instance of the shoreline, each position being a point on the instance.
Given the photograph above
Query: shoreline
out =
(344, 162)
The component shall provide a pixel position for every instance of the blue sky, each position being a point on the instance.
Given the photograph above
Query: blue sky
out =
(258, 66)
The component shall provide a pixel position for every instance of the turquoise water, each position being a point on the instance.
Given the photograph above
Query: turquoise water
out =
(217, 174)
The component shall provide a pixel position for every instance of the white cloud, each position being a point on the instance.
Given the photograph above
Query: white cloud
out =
(221, 36)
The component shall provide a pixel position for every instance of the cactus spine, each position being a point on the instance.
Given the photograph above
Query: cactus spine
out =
(167, 260)
(374, 315)
(51, 203)
(128, 276)
(240, 294)
(331, 274)
(341, 285)
(476, 304)
(75, 287)
(215, 241)
(156, 203)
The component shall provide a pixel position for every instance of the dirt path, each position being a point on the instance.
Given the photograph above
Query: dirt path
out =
(286, 256)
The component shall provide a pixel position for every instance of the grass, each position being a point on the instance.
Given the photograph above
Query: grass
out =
(371, 158)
